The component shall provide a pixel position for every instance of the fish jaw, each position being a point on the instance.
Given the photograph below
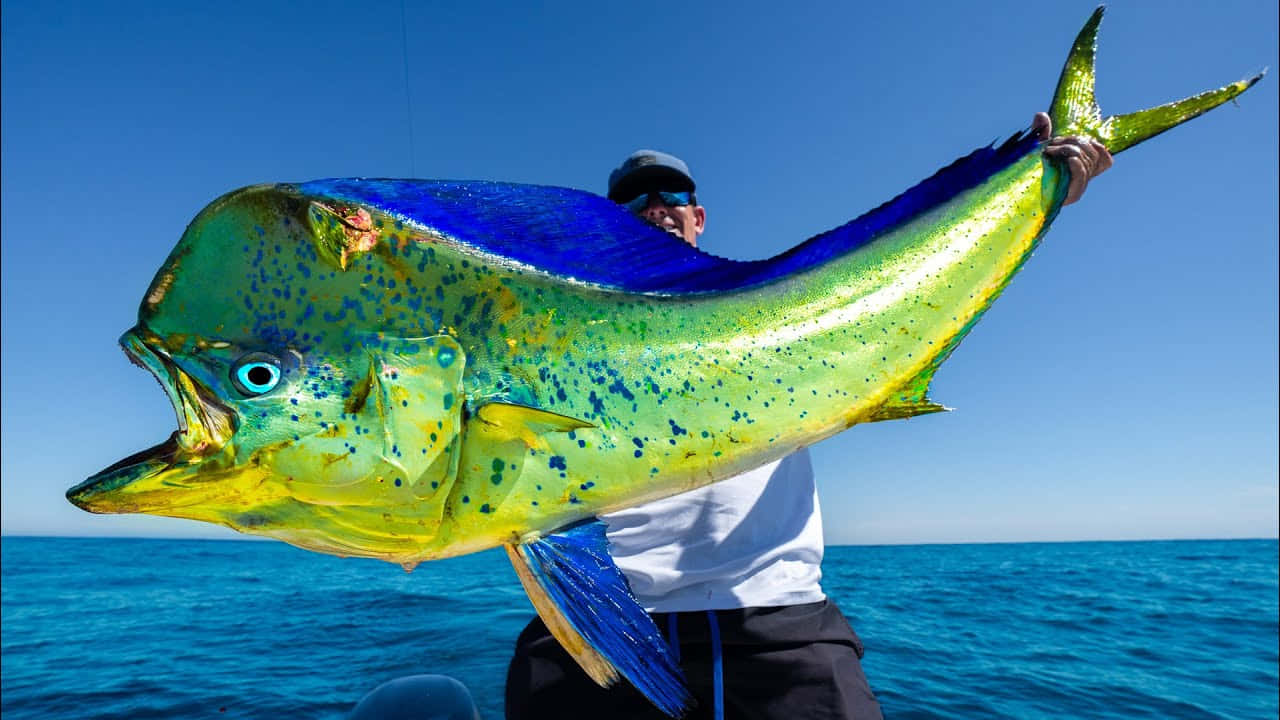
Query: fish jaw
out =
(161, 480)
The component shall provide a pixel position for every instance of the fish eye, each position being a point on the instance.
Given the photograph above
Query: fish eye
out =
(256, 373)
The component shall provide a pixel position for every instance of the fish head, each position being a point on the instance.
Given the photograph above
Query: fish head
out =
(310, 406)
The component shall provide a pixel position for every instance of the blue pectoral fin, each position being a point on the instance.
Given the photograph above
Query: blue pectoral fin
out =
(587, 605)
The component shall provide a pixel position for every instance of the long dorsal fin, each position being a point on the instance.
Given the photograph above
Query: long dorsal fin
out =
(586, 603)
(578, 236)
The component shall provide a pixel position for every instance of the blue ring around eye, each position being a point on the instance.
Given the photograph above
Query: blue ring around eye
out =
(258, 377)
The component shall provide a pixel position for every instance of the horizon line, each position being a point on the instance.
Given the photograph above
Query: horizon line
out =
(867, 544)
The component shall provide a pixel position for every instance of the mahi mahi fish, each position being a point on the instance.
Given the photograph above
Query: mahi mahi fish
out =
(411, 370)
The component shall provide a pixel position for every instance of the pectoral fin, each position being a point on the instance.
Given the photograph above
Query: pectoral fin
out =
(527, 423)
(587, 605)
(499, 441)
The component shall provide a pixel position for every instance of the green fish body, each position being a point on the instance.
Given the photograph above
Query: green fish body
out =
(411, 370)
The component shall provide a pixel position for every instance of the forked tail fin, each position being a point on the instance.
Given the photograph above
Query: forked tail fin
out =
(1074, 110)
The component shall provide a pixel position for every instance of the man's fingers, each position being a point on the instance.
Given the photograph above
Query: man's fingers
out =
(1085, 157)
(1079, 179)
(1068, 151)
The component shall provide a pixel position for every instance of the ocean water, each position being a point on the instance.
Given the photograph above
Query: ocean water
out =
(96, 628)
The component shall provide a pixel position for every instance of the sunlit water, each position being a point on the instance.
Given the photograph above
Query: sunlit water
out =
(206, 629)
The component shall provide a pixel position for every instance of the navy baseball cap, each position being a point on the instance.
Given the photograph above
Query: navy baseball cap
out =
(649, 170)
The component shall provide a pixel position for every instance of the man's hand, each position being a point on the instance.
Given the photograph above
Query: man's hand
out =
(1085, 157)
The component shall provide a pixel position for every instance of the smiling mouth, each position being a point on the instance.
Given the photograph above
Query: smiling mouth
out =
(671, 228)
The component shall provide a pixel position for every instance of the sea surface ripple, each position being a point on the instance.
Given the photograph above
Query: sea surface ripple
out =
(126, 628)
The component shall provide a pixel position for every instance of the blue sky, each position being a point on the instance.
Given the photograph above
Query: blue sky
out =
(1124, 387)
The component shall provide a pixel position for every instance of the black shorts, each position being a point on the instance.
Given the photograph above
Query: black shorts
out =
(793, 662)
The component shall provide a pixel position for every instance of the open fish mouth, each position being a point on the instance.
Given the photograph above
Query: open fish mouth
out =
(205, 425)
(102, 493)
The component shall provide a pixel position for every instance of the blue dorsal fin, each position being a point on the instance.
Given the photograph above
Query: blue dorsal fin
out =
(574, 234)
(586, 603)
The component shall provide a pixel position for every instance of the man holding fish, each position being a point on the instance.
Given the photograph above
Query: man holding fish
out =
(412, 370)
(730, 571)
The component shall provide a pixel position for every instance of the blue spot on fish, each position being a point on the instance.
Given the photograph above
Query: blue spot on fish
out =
(619, 388)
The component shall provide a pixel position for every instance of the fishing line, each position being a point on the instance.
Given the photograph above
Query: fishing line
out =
(408, 101)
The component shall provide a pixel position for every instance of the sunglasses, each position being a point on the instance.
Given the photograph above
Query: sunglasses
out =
(640, 203)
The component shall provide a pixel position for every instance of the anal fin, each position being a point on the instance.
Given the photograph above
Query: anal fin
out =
(909, 400)
(587, 605)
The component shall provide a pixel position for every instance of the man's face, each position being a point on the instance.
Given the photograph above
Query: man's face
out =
(684, 221)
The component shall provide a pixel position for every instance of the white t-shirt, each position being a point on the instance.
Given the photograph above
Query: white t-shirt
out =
(750, 541)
